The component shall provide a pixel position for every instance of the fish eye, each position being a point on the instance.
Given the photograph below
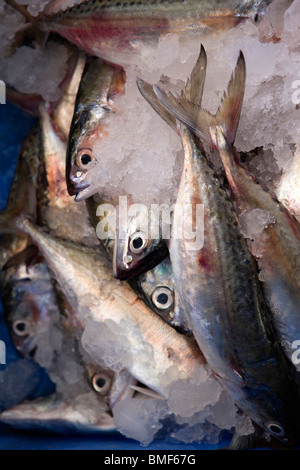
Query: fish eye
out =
(21, 327)
(138, 242)
(84, 157)
(275, 429)
(101, 383)
(162, 298)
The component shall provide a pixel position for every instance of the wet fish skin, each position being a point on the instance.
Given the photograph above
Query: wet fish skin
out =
(121, 26)
(64, 109)
(46, 320)
(93, 108)
(219, 287)
(245, 357)
(129, 262)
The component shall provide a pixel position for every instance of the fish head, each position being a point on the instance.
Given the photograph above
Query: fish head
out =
(134, 251)
(82, 163)
(94, 108)
(157, 288)
(59, 414)
(100, 379)
(30, 306)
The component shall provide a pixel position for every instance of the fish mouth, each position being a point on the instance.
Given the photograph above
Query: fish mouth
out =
(79, 188)
(86, 192)
(74, 187)
(129, 266)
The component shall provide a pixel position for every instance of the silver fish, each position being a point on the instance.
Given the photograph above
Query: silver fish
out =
(219, 287)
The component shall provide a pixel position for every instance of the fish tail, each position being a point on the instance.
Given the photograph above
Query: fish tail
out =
(228, 114)
(193, 92)
(195, 84)
(201, 122)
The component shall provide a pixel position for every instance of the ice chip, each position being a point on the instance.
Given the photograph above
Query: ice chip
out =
(36, 71)
(107, 345)
(140, 418)
(186, 398)
(254, 222)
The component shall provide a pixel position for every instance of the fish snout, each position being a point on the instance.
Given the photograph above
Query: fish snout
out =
(76, 181)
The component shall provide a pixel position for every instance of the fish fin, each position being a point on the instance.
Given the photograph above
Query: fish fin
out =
(147, 391)
(192, 94)
(200, 121)
(229, 111)
(147, 92)
(186, 112)
(28, 256)
(195, 84)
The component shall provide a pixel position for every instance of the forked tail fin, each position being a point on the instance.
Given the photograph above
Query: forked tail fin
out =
(200, 121)
(193, 91)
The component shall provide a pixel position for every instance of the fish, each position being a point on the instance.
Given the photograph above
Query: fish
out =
(92, 292)
(121, 27)
(288, 188)
(51, 196)
(81, 401)
(62, 114)
(94, 105)
(93, 108)
(219, 288)
(155, 286)
(23, 278)
(277, 246)
(86, 393)
(53, 199)
(134, 251)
